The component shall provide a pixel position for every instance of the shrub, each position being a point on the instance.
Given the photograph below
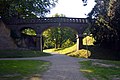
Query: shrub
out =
(81, 53)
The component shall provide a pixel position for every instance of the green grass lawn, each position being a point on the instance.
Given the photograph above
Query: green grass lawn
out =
(21, 53)
(62, 51)
(17, 70)
(101, 69)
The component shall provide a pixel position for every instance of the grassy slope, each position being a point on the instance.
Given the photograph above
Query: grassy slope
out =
(63, 51)
(96, 52)
(20, 54)
(101, 70)
(17, 70)
(71, 51)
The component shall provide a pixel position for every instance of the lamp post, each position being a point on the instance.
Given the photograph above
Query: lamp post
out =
(55, 43)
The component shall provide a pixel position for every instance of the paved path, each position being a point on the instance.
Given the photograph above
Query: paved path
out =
(62, 68)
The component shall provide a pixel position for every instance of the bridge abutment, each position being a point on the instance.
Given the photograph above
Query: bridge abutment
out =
(39, 42)
(79, 41)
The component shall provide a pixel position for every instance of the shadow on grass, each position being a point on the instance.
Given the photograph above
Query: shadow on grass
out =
(21, 53)
(102, 53)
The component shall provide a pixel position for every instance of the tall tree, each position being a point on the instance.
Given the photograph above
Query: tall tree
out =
(25, 8)
(106, 25)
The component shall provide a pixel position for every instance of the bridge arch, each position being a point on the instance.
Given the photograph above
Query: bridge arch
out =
(62, 32)
(26, 37)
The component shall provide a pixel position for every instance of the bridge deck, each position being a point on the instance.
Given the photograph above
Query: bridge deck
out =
(47, 20)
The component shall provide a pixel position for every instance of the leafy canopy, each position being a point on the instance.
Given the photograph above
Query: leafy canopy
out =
(25, 8)
(105, 28)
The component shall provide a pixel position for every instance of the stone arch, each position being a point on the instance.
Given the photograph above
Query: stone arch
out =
(26, 40)
(79, 28)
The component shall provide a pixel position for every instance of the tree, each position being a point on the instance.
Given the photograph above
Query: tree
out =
(59, 37)
(25, 8)
(106, 25)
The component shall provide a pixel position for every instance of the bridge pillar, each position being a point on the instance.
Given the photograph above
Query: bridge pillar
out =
(79, 41)
(39, 42)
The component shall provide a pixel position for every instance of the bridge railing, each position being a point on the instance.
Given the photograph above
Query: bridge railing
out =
(48, 20)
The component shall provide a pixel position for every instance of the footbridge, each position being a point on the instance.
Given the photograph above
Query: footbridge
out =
(41, 24)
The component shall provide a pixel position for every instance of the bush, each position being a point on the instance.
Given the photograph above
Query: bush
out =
(81, 53)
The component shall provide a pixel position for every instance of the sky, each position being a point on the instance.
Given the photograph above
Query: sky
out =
(72, 8)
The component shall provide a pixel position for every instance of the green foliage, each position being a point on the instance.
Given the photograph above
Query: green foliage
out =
(101, 70)
(25, 8)
(68, 43)
(17, 70)
(106, 24)
(88, 40)
(57, 37)
(29, 31)
(81, 53)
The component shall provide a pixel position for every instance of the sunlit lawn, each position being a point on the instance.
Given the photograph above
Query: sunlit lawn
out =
(101, 70)
(49, 50)
(17, 70)
(62, 51)
(71, 51)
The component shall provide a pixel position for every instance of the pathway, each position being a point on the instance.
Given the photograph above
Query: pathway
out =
(62, 68)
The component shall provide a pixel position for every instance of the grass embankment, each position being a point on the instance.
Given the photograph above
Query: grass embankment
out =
(17, 70)
(21, 54)
(62, 51)
(94, 52)
(71, 51)
(101, 69)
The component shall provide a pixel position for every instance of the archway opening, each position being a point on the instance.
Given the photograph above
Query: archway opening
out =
(64, 41)
(27, 38)
(59, 37)
(28, 31)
